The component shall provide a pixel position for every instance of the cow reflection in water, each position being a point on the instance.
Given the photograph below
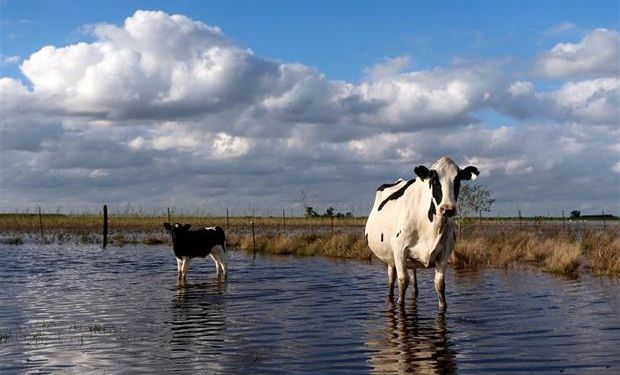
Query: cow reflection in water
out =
(197, 324)
(412, 344)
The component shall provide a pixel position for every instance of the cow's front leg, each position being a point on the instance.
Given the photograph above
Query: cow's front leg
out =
(179, 267)
(401, 270)
(440, 285)
(413, 280)
(391, 278)
(185, 267)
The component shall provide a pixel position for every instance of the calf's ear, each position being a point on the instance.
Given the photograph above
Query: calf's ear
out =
(187, 226)
(168, 226)
(422, 172)
(469, 173)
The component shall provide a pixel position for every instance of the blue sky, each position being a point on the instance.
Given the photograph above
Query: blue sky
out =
(340, 38)
(309, 95)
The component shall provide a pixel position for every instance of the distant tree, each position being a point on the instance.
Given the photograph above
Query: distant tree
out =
(474, 198)
(575, 214)
(329, 212)
(310, 212)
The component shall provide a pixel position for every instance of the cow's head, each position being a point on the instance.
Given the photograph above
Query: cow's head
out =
(444, 182)
(176, 228)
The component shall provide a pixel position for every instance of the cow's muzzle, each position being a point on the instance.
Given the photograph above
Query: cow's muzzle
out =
(447, 210)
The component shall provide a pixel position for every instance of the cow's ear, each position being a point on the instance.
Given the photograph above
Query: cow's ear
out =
(422, 172)
(469, 173)
(187, 226)
(168, 226)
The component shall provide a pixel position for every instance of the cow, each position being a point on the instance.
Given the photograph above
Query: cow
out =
(410, 225)
(188, 244)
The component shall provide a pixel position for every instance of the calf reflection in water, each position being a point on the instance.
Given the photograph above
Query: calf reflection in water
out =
(197, 326)
(412, 344)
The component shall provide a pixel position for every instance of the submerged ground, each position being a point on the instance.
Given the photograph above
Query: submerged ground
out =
(80, 309)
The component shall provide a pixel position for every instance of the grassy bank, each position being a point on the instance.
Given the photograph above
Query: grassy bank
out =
(553, 248)
(560, 252)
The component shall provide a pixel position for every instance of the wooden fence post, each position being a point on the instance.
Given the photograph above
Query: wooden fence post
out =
(105, 225)
(169, 215)
(253, 241)
(604, 222)
(227, 220)
(284, 220)
(41, 225)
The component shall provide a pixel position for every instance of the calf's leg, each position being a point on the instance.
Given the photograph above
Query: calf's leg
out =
(179, 267)
(219, 257)
(185, 267)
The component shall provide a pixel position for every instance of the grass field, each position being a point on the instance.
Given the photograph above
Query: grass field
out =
(554, 246)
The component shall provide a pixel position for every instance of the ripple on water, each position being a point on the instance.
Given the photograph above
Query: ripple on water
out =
(83, 310)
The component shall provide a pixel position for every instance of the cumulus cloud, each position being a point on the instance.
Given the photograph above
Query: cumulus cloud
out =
(165, 109)
(597, 54)
(592, 101)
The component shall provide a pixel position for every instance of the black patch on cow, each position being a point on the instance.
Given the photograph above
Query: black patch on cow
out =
(435, 184)
(457, 187)
(431, 212)
(381, 237)
(397, 194)
(385, 186)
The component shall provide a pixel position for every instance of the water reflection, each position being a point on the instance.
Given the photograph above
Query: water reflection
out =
(197, 325)
(413, 344)
(92, 313)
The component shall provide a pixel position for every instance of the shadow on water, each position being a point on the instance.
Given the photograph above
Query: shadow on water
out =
(412, 343)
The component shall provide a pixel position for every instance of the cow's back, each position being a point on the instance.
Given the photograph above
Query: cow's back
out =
(383, 220)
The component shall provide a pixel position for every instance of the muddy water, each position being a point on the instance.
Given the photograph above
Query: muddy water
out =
(84, 310)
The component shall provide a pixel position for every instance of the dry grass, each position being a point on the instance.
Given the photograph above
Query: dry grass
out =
(337, 244)
(558, 252)
(603, 251)
(500, 245)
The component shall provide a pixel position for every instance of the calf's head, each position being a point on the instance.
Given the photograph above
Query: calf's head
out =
(444, 182)
(176, 229)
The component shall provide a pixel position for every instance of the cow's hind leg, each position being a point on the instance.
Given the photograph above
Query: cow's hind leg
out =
(391, 278)
(413, 280)
(401, 269)
(219, 257)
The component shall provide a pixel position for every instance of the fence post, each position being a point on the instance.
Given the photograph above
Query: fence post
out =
(253, 241)
(604, 222)
(563, 221)
(284, 220)
(169, 215)
(227, 222)
(332, 218)
(41, 225)
(105, 225)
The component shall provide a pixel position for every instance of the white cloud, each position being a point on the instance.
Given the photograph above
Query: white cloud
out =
(388, 68)
(163, 98)
(597, 54)
(10, 60)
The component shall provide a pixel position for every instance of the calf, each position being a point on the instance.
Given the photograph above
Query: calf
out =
(197, 243)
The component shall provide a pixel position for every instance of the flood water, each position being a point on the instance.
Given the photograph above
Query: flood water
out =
(79, 310)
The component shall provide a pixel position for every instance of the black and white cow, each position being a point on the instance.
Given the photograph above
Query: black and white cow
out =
(410, 224)
(188, 244)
